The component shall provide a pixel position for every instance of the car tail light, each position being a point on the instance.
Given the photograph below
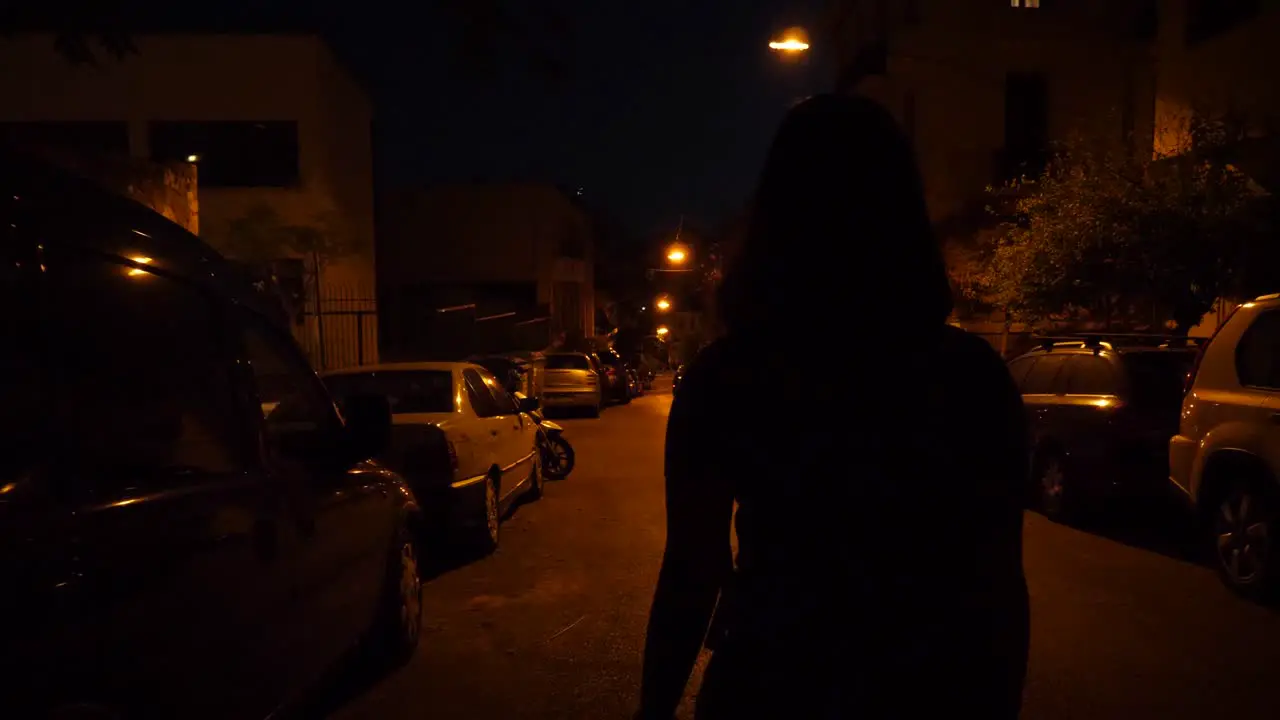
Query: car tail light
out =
(453, 455)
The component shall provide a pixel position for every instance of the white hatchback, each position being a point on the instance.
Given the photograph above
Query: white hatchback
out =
(464, 443)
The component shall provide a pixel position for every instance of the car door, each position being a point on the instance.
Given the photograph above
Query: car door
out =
(488, 437)
(340, 518)
(515, 434)
(154, 592)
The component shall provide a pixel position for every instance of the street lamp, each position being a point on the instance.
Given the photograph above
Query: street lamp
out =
(676, 255)
(662, 331)
(663, 304)
(793, 41)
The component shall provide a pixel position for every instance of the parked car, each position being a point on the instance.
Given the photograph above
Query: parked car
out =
(635, 388)
(676, 378)
(571, 381)
(509, 370)
(459, 437)
(616, 385)
(1101, 410)
(188, 528)
(1225, 459)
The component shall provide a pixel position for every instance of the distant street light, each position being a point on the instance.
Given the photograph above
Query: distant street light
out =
(662, 331)
(663, 304)
(676, 255)
(794, 40)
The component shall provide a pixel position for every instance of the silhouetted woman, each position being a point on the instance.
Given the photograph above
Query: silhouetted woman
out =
(877, 458)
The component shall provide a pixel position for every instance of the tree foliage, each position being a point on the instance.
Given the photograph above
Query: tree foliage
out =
(260, 237)
(1106, 236)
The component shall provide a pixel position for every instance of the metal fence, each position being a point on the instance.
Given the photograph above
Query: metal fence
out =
(340, 330)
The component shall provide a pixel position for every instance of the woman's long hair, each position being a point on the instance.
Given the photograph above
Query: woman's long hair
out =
(839, 235)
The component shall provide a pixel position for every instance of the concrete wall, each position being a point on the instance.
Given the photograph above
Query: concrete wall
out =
(952, 65)
(228, 78)
(470, 234)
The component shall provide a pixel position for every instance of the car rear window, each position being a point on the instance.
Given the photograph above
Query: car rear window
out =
(568, 362)
(408, 391)
(1158, 376)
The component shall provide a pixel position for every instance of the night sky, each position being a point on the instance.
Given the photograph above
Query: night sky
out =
(665, 109)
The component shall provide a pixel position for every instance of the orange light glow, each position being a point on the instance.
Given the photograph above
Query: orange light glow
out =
(794, 40)
(664, 304)
(140, 261)
(677, 254)
(662, 331)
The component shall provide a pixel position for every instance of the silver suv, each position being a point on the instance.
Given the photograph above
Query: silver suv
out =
(1226, 455)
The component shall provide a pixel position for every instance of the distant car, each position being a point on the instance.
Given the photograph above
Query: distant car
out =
(634, 386)
(188, 528)
(617, 385)
(676, 378)
(488, 456)
(571, 381)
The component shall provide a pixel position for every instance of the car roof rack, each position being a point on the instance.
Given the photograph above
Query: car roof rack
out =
(1109, 340)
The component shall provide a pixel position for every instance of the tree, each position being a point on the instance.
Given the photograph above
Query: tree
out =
(1111, 237)
(260, 239)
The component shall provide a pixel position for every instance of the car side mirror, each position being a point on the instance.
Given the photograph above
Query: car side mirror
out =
(528, 404)
(368, 428)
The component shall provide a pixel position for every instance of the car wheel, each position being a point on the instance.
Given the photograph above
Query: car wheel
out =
(535, 477)
(1052, 484)
(399, 624)
(489, 522)
(1244, 532)
(560, 459)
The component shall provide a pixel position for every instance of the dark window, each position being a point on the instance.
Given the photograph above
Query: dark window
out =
(568, 362)
(1090, 375)
(81, 138)
(502, 400)
(1258, 354)
(1157, 377)
(298, 414)
(1019, 368)
(231, 154)
(481, 399)
(141, 390)
(1207, 18)
(408, 391)
(1026, 124)
(1042, 380)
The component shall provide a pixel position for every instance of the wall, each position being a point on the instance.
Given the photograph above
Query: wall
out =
(952, 65)
(502, 233)
(221, 77)
(1229, 73)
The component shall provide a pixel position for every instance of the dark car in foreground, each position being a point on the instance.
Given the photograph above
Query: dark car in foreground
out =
(188, 527)
(1102, 410)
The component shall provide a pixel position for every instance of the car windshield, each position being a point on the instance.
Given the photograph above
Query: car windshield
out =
(1158, 376)
(408, 391)
(568, 362)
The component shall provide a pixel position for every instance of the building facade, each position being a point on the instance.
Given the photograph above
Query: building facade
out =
(986, 88)
(278, 133)
(512, 263)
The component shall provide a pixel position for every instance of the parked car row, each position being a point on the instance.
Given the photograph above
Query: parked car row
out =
(588, 381)
(1123, 417)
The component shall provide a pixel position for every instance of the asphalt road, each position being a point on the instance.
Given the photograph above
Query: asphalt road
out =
(552, 624)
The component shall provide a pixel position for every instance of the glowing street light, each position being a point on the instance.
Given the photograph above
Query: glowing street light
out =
(663, 304)
(794, 40)
(662, 331)
(676, 255)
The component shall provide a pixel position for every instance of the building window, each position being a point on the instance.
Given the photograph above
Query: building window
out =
(1026, 125)
(81, 138)
(1208, 18)
(231, 154)
(1024, 3)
